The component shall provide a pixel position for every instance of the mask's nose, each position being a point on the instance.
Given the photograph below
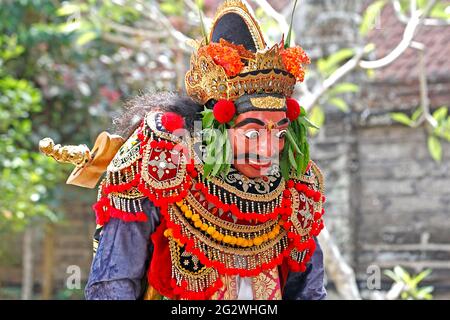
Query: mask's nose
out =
(267, 144)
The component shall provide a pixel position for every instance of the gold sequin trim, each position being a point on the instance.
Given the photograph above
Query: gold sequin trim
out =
(268, 102)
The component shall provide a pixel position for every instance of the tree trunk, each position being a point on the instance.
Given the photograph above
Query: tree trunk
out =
(337, 268)
(48, 261)
(27, 264)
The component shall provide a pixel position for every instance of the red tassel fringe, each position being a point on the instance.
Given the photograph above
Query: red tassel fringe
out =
(104, 212)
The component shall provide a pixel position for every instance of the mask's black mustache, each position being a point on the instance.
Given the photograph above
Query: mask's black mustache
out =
(253, 156)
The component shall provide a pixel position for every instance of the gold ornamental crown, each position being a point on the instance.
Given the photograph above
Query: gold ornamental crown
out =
(215, 74)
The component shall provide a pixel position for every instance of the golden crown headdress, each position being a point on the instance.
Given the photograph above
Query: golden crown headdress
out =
(235, 60)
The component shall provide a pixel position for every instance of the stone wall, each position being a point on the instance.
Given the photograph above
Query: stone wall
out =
(333, 150)
(388, 201)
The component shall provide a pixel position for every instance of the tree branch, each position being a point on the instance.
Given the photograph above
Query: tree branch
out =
(309, 101)
(135, 31)
(426, 22)
(191, 5)
(279, 18)
(162, 19)
(424, 99)
(337, 268)
(408, 35)
(325, 17)
(122, 41)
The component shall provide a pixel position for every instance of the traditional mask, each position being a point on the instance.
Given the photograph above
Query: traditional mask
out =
(246, 89)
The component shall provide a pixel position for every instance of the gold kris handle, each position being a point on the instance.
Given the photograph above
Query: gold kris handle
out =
(76, 155)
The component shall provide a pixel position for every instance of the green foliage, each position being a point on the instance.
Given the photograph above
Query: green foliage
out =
(218, 147)
(342, 88)
(287, 44)
(370, 15)
(10, 293)
(295, 156)
(82, 78)
(9, 49)
(269, 26)
(439, 11)
(410, 284)
(172, 7)
(339, 103)
(317, 117)
(202, 22)
(26, 177)
(70, 294)
(90, 21)
(328, 65)
(437, 133)
(440, 132)
(435, 148)
(333, 97)
(402, 118)
(57, 79)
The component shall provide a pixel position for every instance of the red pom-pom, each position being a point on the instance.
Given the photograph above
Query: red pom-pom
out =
(286, 193)
(317, 197)
(162, 144)
(293, 109)
(290, 184)
(172, 121)
(198, 186)
(190, 167)
(194, 174)
(317, 215)
(224, 111)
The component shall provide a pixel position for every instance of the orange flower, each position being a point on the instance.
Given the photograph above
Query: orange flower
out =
(225, 56)
(243, 53)
(293, 60)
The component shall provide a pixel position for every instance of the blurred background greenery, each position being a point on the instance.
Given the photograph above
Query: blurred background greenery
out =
(52, 84)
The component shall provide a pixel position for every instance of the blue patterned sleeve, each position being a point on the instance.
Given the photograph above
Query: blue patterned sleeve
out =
(123, 254)
(308, 285)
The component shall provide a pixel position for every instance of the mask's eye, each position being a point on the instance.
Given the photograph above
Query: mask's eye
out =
(252, 134)
(281, 134)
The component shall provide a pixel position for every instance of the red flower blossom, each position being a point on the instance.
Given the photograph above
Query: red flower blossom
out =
(224, 111)
(293, 60)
